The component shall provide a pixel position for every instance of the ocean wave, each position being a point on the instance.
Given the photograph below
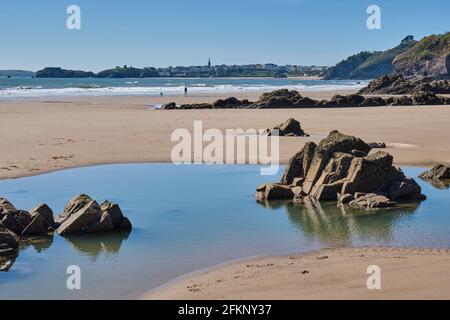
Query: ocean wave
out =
(94, 90)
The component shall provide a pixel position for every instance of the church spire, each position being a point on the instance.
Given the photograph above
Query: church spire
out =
(209, 63)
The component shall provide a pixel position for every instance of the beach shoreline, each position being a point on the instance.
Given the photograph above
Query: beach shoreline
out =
(52, 134)
(339, 273)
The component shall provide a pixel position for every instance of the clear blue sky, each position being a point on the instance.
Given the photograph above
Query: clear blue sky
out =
(188, 32)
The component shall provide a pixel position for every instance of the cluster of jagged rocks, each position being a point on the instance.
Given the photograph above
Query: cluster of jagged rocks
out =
(81, 215)
(397, 84)
(284, 98)
(341, 169)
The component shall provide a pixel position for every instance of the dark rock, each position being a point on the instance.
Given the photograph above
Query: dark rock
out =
(335, 142)
(342, 165)
(291, 126)
(82, 220)
(299, 164)
(37, 226)
(345, 198)
(169, 106)
(117, 217)
(8, 240)
(16, 221)
(196, 106)
(358, 153)
(46, 212)
(74, 205)
(283, 98)
(438, 172)
(377, 145)
(399, 101)
(425, 98)
(405, 189)
(84, 215)
(397, 84)
(230, 103)
(274, 192)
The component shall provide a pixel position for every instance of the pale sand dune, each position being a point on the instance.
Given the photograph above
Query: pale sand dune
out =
(51, 134)
(329, 274)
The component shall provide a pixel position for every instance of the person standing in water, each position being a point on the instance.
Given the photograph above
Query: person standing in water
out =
(185, 90)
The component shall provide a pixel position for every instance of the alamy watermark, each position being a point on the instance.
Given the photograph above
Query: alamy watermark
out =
(374, 280)
(374, 19)
(73, 21)
(237, 146)
(73, 281)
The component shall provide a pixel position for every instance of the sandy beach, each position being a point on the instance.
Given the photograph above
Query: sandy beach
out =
(43, 135)
(328, 274)
(48, 134)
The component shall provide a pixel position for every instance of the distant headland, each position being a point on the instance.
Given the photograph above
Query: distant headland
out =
(206, 71)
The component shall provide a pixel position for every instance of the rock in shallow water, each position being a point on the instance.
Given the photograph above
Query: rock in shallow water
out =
(84, 215)
(339, 165)
(373, 201)
(438, 172)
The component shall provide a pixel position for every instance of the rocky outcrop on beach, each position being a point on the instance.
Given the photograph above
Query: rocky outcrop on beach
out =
(289, 128)
(285, 99)
(230, 103)
(341, 165)
(169, 106)
(398, 84)
(82, 214)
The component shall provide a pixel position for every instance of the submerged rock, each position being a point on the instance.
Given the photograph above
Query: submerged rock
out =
(340, 168)
(373, 201)
(82, 214)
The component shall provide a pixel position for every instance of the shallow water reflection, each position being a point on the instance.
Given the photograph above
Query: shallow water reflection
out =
(188, 218)
(338, 225)
(93, 245)
(438, 184)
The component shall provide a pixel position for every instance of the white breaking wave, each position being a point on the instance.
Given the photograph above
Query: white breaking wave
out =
(37, 92)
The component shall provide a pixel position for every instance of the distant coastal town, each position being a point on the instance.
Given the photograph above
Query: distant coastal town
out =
(206, 71)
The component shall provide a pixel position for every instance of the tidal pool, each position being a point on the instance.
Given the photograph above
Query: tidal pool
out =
(192, 217)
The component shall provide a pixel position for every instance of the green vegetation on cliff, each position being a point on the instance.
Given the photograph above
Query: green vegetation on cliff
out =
(428, 57)
(368, 65)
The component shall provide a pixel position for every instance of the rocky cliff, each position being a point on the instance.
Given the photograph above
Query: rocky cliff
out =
(430, 57)
(368, 65)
